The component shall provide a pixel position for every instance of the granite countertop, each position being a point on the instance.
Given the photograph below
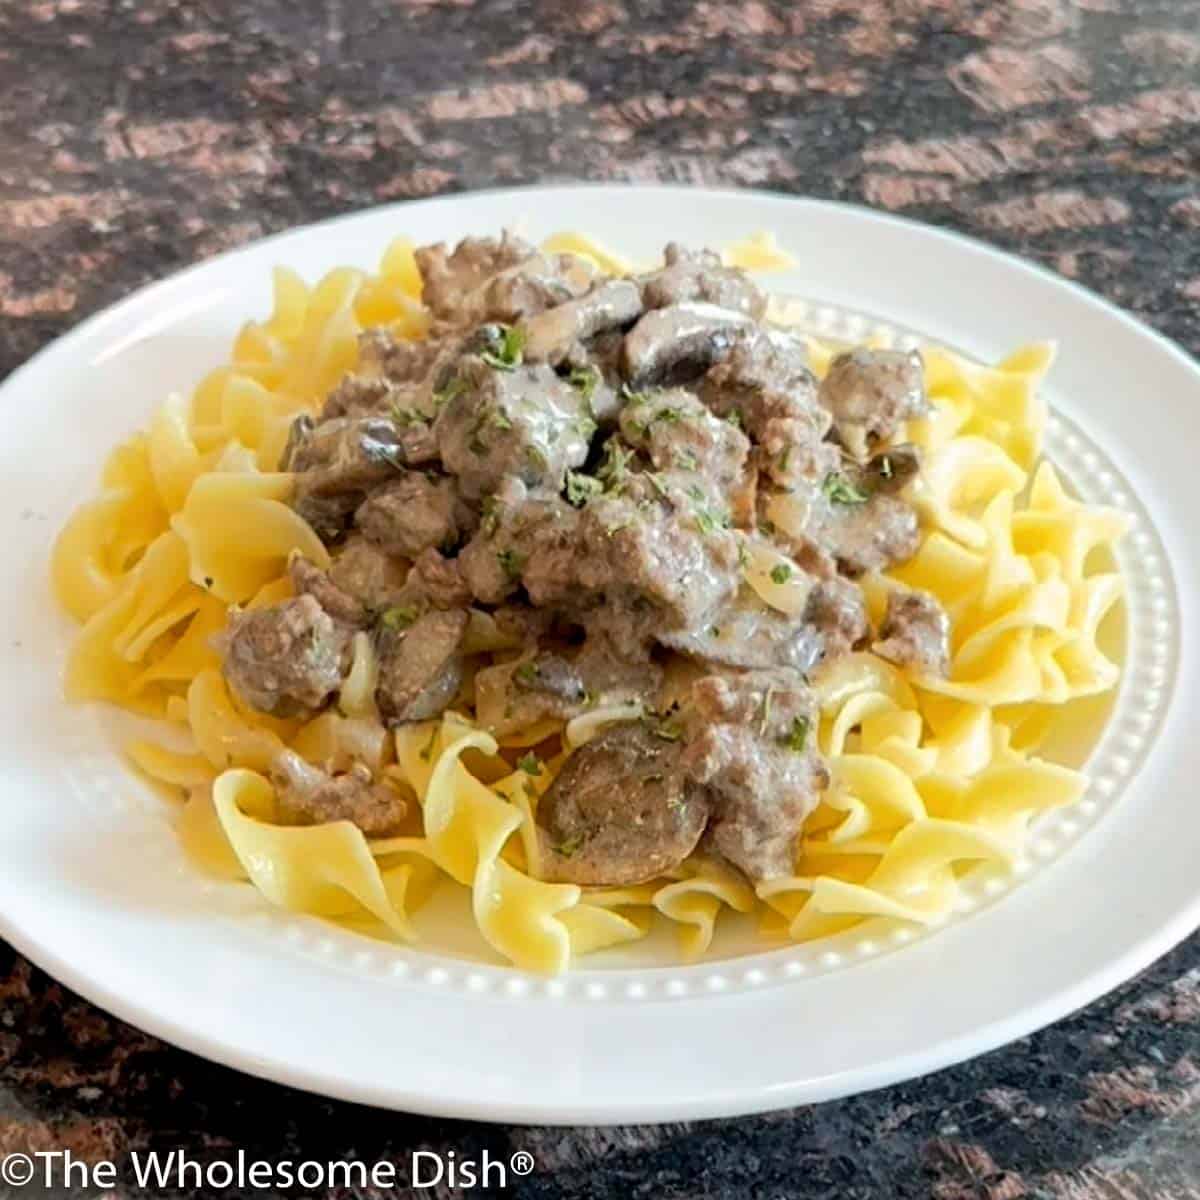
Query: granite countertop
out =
(137, 136)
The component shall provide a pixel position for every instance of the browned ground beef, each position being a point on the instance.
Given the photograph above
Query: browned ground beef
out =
(285, 659)
(915, 633)
(588, 462)
(310, 796)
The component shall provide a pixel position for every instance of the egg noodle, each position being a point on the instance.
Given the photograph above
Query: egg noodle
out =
(929, 776)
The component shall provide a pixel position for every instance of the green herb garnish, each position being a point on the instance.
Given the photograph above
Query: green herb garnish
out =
(839, 490)
(476, 444)
(530, 764)
(527, 673)
(511, 561)
(570, 847)
(798, 738)
(585, 380)
(443, 395)
(489, 509)
(685, 460)
(615, 467)
(407, 417)
(710, 521)
(657, 484)
(399, 616)
(734, 417)
(507, 350)
(581, 488)
(781, 573)
(662, 729)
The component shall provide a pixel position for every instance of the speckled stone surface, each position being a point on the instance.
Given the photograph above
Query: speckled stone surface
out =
(137, 136)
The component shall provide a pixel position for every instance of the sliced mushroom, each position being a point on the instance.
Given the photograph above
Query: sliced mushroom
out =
(620, 811)
(550, 334)
(421, 668)
(672, 344)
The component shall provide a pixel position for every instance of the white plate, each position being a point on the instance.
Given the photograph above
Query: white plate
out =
(93, 886)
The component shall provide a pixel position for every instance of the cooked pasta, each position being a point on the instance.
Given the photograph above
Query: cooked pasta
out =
(929, 772)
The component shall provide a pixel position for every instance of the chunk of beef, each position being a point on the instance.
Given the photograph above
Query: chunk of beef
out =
(688, 275)
(678, 433)
(609, 305)
(870, 393)
(368, 573)
(538, 283)
(358, 396)
(309, 796)
(449, 277)
(524, 540)
(620, 811)
(614, 661)
(309, 580)
(286, 659)
(748, 633)
(751, 740)
(868, 536)
(437, 581)
(361, 582)
(410, 513)
(791, 452)
(523, 625)
(766, 375)
(383, 355)
(765, 387)
(336, 462)
(523, 422)
(594, 367)
(673, 553)
(421, 668)
(621, 625)
(673, 345)
(915, 633)
(844, 521)
(389, 376)
(837, 612)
